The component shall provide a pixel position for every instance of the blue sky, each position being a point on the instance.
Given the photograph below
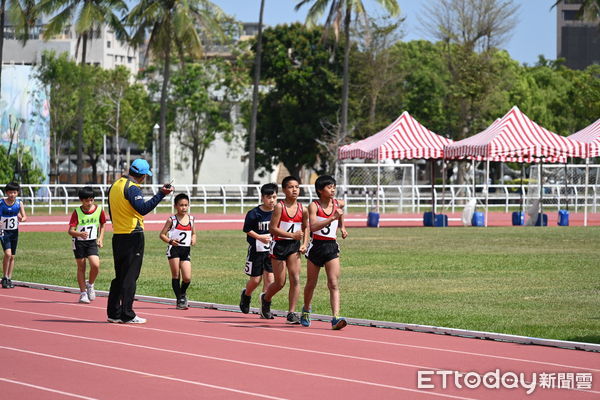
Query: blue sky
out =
(535, 32)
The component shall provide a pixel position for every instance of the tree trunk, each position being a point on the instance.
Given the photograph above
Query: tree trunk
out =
(80, 112)
(346, 73)
(257, 64)
(162, 137)
(2, 19)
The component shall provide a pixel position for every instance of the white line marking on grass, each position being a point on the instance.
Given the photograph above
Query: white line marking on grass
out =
(133, 371)
(47, 389)
(336, 337)
(243, 363)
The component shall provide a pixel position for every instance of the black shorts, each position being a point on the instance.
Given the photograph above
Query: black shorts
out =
(85, 248)
(10, 239)
(181, 252)
(321, 251)
(282, 249)
(257, 262)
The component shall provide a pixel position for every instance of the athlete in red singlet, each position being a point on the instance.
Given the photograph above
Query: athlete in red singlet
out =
(289, 227)
(325, 216)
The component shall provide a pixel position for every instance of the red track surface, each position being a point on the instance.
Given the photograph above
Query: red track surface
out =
(54, 348)
(154, 222)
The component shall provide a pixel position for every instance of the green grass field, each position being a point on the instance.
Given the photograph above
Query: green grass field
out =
(542, 282)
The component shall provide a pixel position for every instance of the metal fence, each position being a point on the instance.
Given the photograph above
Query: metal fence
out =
(45, 199)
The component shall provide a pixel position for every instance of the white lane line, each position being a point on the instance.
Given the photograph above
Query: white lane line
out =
(338, 337)
(133, 371)
(77, 396)
(244, 363)
(244, 342)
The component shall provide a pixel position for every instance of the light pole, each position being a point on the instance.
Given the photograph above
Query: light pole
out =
(155, 130)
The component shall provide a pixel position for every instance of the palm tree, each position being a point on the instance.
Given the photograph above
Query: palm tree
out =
(22, 17)
(86, 16)
(340, 16)
(173, 26)
(255, 83)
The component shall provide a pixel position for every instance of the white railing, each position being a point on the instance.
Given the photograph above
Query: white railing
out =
(44, 199)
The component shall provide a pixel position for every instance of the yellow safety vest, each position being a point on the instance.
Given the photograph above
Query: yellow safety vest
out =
(125, 219)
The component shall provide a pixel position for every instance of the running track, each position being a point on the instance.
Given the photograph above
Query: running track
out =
(54, 348)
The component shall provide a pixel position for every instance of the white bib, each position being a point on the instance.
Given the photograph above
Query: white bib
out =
(329, 231)
(92, 231)
(262, 247)
(290, 227)
(183, 237)
(9, 223)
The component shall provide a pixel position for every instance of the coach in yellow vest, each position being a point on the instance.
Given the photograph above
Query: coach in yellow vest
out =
(127, 209)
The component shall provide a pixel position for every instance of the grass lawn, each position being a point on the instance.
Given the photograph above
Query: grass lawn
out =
(542, 282)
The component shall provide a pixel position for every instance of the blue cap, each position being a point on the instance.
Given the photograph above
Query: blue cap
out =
(140, 166)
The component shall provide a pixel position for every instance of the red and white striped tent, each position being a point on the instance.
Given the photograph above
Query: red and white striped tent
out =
(515, 137)
(404, 139)
(590, 136)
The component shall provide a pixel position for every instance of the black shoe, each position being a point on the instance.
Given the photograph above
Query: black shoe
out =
(245, 302)
(5, 283)
(292, 318)
(265, 308)
(10, 283)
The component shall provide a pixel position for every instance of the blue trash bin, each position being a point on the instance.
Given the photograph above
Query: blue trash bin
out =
(373, 220)
(563, 218)
(428, 218)
(518, 218)
(478, 219)
(441, 220)
(542, 220)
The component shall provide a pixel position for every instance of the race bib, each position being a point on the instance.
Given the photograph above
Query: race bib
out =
(92, 231)
(183, 237)
(262, 247)
(9, 223)
(328, 231)
(290, 227)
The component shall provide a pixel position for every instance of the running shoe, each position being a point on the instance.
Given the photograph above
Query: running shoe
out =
(136, 320)
(83, 298)
(182, 303)
(114, 320)
(265, 307)
(292, 319)
(305, 318)
(245, 302)
(5, 283)
(90, 291)
(338, 323)
(10, 283)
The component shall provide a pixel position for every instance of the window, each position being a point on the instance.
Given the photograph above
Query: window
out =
(108, 44)
(129, 60)
(571, 15)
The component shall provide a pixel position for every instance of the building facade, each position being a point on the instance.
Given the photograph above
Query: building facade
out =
(103, 49)
(578, 39)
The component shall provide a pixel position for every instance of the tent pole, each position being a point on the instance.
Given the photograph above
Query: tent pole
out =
(378, 176)
(443, 185)
(566, 186)
(541, 186)
(432, 187)
(474, 185)
(487, 189)
(522, 191)
(585, 199)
